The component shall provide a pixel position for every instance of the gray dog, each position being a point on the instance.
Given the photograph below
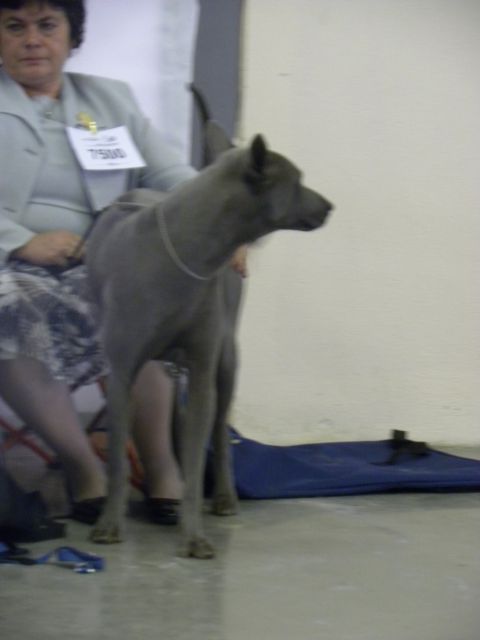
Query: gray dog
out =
(158, 268)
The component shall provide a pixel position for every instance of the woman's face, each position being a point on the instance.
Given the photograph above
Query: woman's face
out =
(34, 44)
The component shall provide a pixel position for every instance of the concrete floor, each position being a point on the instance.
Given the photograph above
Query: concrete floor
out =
(378, 567)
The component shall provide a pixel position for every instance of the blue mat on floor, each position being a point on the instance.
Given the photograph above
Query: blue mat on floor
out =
(347, 468)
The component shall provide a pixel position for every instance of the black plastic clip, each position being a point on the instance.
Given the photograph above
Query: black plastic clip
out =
(401, 445)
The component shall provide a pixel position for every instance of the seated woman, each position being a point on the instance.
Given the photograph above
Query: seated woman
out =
(48, 340)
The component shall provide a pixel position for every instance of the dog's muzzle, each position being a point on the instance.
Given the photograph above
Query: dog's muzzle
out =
(316, 217)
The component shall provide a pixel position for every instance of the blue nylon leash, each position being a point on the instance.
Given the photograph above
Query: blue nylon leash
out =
(71, 558)
(66, 557)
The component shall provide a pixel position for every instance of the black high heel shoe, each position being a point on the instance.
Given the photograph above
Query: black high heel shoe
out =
(162, 510)
(87, 511)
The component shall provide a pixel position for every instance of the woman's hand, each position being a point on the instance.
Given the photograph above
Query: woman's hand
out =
(51, 248)
(239, 261)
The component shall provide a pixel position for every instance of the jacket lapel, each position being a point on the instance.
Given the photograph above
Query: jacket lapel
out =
(14, 101)
(102, 186)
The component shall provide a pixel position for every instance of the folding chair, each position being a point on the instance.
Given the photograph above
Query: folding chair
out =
(22, 435)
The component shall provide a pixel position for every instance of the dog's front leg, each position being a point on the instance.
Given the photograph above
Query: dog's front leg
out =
(225, 500)
(193, 443)
(109, 528)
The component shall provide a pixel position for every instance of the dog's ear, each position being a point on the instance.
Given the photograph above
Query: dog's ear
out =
(258, 150)
(255, 174)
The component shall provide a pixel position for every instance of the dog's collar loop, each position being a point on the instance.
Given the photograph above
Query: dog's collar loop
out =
(172, 251)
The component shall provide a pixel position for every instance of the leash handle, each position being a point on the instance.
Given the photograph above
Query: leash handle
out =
(75, 259)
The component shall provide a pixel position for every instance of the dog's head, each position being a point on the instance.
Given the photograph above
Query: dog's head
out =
(277, 184)
(283, 202)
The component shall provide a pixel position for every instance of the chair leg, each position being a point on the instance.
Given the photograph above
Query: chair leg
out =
(20, 435)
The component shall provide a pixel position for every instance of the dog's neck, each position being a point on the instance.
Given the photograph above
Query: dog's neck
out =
(201, 239)
(172, 251)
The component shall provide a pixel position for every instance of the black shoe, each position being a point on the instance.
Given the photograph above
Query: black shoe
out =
(162, 510)
(43, 529)
(32, 523)
(87, 511)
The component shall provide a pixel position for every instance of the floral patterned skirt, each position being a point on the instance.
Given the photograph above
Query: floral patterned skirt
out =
(46, 313)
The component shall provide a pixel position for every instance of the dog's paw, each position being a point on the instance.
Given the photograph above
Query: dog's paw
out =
(106, 533)
(196, 548)
(224, 504)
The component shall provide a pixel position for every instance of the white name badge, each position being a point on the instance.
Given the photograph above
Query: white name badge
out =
(106, 150)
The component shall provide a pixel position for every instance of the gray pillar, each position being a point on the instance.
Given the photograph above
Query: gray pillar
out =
(216, 68)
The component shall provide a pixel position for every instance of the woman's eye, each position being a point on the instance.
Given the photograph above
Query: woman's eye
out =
(47, 26)
(14, 27)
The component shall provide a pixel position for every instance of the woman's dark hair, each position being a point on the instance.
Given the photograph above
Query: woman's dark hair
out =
(73, 9)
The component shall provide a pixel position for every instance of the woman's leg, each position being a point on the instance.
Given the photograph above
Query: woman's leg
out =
(46, 405)
(153, 394)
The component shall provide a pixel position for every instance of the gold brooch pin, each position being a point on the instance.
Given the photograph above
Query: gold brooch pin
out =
(87, 121)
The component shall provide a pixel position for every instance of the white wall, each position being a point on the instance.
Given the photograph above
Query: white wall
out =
(373, 322)
(151, 48)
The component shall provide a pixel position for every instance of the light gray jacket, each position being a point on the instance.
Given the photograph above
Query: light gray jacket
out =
(110, 103)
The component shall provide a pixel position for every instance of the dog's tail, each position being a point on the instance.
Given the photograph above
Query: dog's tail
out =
(215, 140)
(201, 104)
